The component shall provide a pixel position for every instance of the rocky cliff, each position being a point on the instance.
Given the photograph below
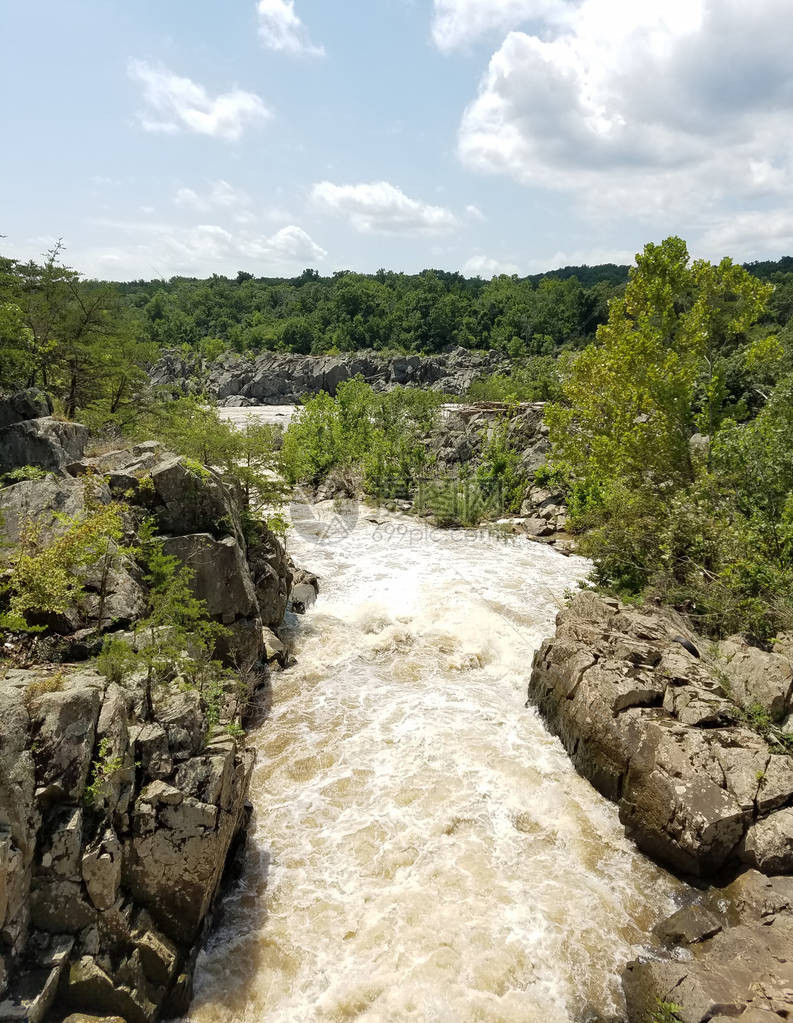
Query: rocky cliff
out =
(122, 794)
(692, 740)
(278, 378)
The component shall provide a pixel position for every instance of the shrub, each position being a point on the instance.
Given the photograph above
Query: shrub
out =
(379, 438)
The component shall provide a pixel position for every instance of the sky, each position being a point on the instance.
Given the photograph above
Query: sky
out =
(193, 137)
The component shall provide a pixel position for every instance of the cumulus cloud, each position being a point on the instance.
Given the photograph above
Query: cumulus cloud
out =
(176, 104)
(648, 108)
(218, 195)
(167, 250)
(281, 29)
(457, 23)
(382, 208)
(487, 267)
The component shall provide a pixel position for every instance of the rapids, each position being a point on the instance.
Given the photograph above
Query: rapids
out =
(421, 847)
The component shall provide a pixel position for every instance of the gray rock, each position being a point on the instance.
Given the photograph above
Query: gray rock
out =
(220, 574)
(46, 443)
(757, 678)
(652, 728)
(188, 499)
(303, 597)
(29, 404)
(768, 845)
(270, 573)
(738, 964)
(101, 870)
(48, 503)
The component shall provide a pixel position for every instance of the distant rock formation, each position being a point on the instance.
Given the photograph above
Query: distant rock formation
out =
(277, 378)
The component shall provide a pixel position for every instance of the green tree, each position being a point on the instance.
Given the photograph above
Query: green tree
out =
(635, 396)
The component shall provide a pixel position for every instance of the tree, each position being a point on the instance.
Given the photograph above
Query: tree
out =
(635, 396)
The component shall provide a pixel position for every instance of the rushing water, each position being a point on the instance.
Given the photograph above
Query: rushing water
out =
(422, 848)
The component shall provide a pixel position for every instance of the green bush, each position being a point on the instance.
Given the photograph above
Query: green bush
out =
(535, 380)
(378, 439)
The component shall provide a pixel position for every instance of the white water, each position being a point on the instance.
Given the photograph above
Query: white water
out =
(422, 848)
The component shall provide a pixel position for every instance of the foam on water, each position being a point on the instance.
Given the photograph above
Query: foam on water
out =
(422, 848)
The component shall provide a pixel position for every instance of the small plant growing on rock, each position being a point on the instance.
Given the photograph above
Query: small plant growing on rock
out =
(51, 684)
(103, 771)
(665, 1012)
(25, 472)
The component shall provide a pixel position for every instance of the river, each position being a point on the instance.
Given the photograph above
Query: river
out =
(421, 848)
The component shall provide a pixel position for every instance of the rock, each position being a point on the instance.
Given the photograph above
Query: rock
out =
(48, 503)
(192, 499)
(303, 597)
(768, 845)
(271, 574)
(651, 726)
(178, 853)
(274, 649)
(699, 448)
(101, 870)
(61, 843)
(48, 444)
(80, 1017)
(282, 378)
(220, 574)
(688, 926)
(150, 742)
(757, 679)
(34, 990)
(29, 404)
(63, 725)
(88, 987)
(737, 966)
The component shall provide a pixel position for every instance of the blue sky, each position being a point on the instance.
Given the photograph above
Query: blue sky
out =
(194, 136)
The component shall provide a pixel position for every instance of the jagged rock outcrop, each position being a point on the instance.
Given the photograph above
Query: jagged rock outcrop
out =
(119, 810)
(245, 585)
(277, 378)
(46, 443)
(648, 716)
(29, 404)
(725, 957)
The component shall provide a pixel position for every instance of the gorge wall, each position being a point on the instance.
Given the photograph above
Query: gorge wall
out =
(123, 796)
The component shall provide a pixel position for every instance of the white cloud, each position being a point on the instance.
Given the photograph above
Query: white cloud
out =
(475, 213)
(219, 195)
(756, 234)
(180, 104)
(457, 23)
(487, 267)
(166, 250)
(580, 257)
(281, 29)
(661, 108)
(382, 208)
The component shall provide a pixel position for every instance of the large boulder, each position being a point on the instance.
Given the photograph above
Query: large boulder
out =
(650, 722)
(220, 575)
(29, 404)
(757, 679)
(48, 444)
